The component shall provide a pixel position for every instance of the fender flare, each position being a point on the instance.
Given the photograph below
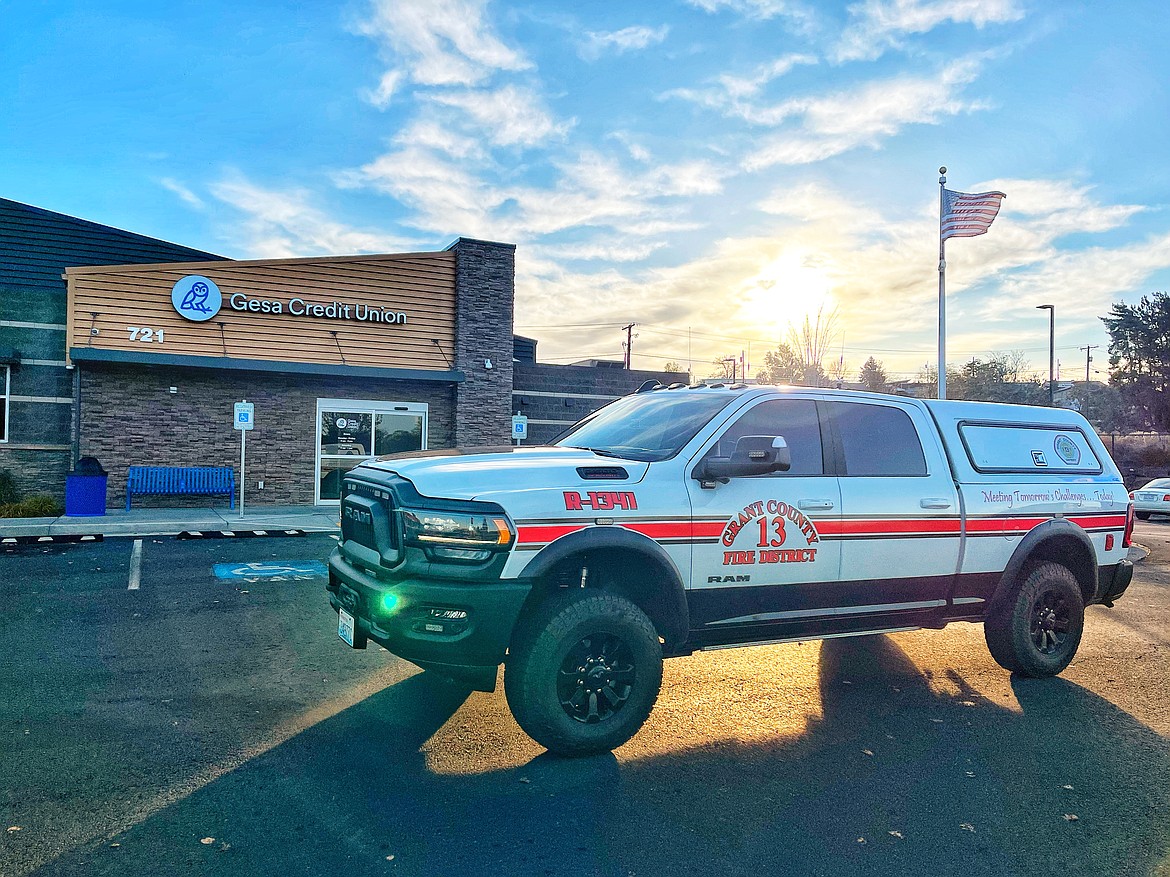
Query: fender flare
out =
(1033, 539)
(595, 539)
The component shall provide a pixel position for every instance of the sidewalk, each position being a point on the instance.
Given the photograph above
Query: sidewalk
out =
(172, 522)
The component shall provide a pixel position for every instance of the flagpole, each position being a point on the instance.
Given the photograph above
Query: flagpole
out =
(942, 289)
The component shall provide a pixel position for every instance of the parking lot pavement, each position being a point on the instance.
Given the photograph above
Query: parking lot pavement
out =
(217, 725)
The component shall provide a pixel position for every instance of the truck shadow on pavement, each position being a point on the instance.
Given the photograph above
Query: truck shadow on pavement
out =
(893, 778)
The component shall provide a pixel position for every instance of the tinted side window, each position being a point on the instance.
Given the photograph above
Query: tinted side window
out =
(795, 419)
(878, 440)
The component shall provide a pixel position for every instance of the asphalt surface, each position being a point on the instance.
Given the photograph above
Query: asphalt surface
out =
(205, 725)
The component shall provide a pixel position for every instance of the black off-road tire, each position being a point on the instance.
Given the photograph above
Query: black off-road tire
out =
(1036, 629)
(1143, 516)
(583, 672)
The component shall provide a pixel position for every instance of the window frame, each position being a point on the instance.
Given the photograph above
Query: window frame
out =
(7, 407)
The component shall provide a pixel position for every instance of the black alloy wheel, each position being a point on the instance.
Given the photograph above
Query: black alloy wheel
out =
(583, 671)
(596, 678)
(1034, 627)
(1051, 617)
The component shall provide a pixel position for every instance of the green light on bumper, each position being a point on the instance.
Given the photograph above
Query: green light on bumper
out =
(389, 603)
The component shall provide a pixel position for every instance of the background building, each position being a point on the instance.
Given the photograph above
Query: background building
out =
(37, 406)
(134, 351)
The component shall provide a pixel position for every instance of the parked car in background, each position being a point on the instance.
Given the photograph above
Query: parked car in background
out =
(1152, 499)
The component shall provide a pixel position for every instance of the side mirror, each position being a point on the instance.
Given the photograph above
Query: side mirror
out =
(753, 455)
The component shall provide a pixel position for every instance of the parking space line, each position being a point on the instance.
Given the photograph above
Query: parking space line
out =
(135, 566)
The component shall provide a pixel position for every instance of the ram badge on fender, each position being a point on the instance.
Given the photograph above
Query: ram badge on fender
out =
(686, 518)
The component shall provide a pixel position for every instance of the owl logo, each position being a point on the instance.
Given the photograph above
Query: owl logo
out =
(196, 298)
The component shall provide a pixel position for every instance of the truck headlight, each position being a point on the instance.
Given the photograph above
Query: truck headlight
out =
(456, 535)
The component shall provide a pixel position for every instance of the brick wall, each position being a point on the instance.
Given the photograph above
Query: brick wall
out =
(37, 472)
(129, 418)
(485, 291)
(566, 393)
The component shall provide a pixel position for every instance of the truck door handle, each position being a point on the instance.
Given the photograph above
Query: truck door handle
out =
(935, 502)
(809, 505)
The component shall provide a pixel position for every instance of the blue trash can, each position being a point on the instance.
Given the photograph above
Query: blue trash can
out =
(85, 489)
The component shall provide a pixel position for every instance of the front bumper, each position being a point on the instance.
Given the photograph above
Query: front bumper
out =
(459, 628)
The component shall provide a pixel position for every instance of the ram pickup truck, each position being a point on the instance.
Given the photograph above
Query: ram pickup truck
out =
(701, 517)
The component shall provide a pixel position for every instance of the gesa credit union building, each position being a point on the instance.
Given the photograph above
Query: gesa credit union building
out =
(344, 358)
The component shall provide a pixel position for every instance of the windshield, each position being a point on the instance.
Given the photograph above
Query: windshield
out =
(647, 427)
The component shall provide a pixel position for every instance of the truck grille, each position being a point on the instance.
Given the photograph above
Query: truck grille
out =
(367, 516)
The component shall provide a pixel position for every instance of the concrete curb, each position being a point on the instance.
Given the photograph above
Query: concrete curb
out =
(166, 522)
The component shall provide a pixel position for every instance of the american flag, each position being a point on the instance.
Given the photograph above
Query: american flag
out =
(965, 215)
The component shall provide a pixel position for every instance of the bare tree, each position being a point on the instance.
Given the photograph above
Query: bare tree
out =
(800, 358)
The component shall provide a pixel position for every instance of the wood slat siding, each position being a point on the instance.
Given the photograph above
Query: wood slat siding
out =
(421, 285)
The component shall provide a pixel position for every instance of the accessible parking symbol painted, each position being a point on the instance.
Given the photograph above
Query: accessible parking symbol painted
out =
(272, 571)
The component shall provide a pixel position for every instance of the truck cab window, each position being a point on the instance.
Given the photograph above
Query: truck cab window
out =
(795, 419)
(877, 440)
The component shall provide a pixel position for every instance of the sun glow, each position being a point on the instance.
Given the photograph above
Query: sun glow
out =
(794, 285)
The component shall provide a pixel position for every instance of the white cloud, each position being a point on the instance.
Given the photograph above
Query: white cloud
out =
(509, 116)
(436, 43)
(384, 93)
(432, 134)
(865, 116)
(185, 195)
(741, 87)
(733, 95)
(628, 39)
(800, 14)
(602, 250)
(445, 196)
(878, 25)
(284, 224)
(635, 149)
(592, 191)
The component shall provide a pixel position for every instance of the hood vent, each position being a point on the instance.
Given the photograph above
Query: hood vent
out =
(603, 473)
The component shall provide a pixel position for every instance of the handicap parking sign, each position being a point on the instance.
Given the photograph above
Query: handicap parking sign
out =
(519, 427)
(245, 414)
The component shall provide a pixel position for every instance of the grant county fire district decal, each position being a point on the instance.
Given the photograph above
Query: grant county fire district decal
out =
(775, 529)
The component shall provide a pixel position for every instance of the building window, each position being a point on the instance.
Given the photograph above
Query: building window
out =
(6, 389)
(350, 431)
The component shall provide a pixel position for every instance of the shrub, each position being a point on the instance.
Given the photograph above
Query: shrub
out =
(1152, 455)
(40, 506)
(8, 491)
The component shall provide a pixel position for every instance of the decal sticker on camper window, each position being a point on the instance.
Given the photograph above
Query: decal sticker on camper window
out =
(1067, 450)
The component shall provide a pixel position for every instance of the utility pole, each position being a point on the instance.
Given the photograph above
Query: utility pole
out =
(1089, 358)
(629, 344)
(1051, 352)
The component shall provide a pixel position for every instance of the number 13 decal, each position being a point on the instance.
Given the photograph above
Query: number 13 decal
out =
(776, 527)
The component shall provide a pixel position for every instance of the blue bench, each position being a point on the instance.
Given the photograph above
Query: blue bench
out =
(180, 481)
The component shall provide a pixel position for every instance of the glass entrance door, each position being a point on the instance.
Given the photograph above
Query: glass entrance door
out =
(351, 431)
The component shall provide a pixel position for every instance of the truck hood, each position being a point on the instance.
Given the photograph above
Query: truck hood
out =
(456, 474)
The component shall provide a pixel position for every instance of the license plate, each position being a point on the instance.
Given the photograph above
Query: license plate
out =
(345, 627)
(1147, 496)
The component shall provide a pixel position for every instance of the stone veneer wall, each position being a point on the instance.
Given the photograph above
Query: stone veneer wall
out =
(485, 288)
(130, 418)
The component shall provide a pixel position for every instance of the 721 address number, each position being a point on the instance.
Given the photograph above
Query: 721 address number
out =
(147, 336)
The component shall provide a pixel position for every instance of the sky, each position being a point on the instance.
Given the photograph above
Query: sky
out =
(714, 171)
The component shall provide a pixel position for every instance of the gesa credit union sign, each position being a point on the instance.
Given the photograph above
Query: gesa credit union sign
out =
(198, 298)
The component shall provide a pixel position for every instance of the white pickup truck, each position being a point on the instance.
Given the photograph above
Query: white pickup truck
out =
(683, 518)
